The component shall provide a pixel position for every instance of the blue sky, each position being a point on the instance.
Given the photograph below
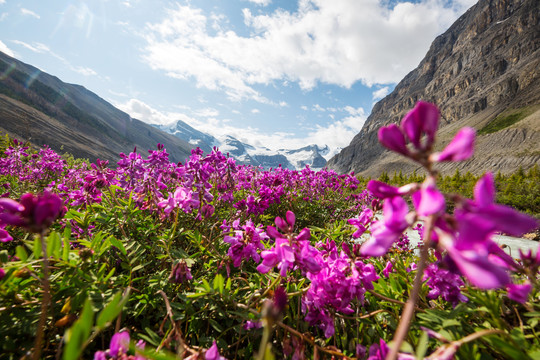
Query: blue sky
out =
(273, 73)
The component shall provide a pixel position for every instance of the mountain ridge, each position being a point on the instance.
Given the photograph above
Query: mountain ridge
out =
(42, 109)
(486, 65)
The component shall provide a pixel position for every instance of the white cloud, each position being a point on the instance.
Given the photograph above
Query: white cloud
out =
(36, 47)
(261, 2)
(336, 135)
(324, 41)
(84, 70)
(6, 50)
(29, 13)
(144, 112)
(2, 2)
(255, 111)
(304, 107)
(318, 107)
(208, 112)
(380, 93)
(44, 49)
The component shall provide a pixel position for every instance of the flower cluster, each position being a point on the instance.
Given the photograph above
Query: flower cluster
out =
(335, 286)
(119, 347)
(245, 242)
(289, 251)
(465, 237)
(444, 284)
(34, 213)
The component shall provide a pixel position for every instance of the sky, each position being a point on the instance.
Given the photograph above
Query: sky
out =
(272, 73)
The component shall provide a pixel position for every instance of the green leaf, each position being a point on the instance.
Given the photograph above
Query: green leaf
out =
(79, 333)
(21, 253)
(113, 308)
(206, 285)
(450, 322)
(111, 273)
(215, 325)
(37, 247)
(118, 244)
(219, 283)
(421, 349)
(53, 245)
(65, 249)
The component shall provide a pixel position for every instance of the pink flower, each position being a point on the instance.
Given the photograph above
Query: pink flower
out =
(428, 200)
(119, 344)
(383, 190)
(213, 353)
(35, 213)
(424, 118)
(392, 138)
(519, 292)
(460, 148)
(4, 236)
(388, 269)
(386, 231)
(361, 222)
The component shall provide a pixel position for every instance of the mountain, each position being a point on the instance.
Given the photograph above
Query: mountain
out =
(42, 109)
(187, 133)
(244, 153)
(483, 72)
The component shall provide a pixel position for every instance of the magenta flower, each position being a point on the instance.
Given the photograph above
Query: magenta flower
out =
(460, 148)
(392, 138)
(213, 353)
(519, 292)
(361, 222)
(281, 254)
(388, 269)
(386, 231)
(494, 217)
(119, 344)
(428, 200)
(180, 273)
(34, 213)
(2, 273)
(118, 348)
(289, 251)
(472, 250)
(442, 283)
(420, 121)
(182, 198)
(380, 351)
(249, 325)
(4, 235)
(424, 118)
(245, 243)
(383, 190)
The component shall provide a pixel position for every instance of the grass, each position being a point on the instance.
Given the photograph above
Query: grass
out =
(502, 121)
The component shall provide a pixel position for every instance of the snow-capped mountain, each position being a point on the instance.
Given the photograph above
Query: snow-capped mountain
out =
(193, 136)
(312, 155)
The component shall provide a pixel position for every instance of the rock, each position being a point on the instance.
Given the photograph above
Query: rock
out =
(487, 64)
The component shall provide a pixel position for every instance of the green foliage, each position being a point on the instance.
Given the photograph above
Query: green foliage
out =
(118, 272)
(502, 121)
(520, 190)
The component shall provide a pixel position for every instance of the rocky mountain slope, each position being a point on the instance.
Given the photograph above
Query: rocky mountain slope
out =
(484, 72)
(41, 109)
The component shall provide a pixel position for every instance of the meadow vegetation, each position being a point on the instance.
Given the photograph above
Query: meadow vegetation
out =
(208, 259)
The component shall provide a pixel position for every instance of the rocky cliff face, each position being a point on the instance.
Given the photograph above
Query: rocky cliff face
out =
(483, 72)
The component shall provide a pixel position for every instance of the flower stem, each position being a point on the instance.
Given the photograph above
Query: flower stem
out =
(45, 302)
(408, 311)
